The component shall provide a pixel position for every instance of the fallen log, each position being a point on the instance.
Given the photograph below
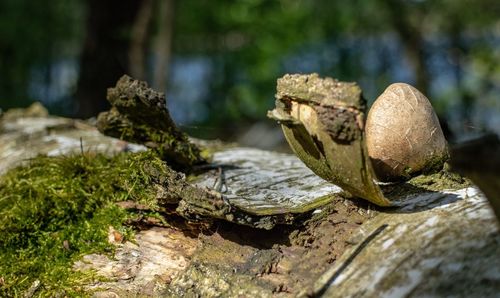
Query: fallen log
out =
(433, 243)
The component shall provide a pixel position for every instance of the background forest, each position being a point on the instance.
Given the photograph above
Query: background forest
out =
(218, 60)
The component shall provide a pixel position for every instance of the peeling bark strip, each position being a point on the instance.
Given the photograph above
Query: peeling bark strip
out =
(261, 189)
(265, 183)
(139, 114)
(323, 121)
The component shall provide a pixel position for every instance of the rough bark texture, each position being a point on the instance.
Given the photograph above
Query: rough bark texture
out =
(432, 244)
(139, 115)
(25, 134)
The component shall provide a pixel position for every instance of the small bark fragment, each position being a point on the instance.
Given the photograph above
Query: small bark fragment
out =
(139, 114)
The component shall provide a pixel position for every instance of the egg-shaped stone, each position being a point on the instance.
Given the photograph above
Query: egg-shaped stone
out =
(403, 134)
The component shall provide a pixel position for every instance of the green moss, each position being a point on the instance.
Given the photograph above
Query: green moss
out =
(440, 181)
(53, 210)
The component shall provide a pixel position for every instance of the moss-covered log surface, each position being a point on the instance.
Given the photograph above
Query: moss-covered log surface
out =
(107, 227)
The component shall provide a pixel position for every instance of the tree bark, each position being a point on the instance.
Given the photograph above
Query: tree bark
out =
(139, 114)
(431, 244)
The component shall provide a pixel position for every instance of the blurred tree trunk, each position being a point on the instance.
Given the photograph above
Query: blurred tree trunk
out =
(163, 44)
(116, 43)
(105, 52)
(139, 38)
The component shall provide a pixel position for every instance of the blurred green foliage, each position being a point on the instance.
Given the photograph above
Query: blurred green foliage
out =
(449, 49)
(33, 34)
(249, 42)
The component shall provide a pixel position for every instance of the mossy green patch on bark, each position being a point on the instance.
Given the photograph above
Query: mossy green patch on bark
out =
(430, 182)
(53, 210)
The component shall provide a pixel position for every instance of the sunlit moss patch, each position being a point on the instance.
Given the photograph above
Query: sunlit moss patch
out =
(53, 210)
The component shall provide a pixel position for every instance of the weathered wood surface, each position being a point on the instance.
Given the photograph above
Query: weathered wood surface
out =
(22, 138)
(263, 182)
(433, 244)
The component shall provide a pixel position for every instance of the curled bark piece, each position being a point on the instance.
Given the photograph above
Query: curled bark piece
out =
(258, 188)
(139, 114)
(323, 121)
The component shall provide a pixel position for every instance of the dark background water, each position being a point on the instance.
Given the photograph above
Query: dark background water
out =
(218, 61)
